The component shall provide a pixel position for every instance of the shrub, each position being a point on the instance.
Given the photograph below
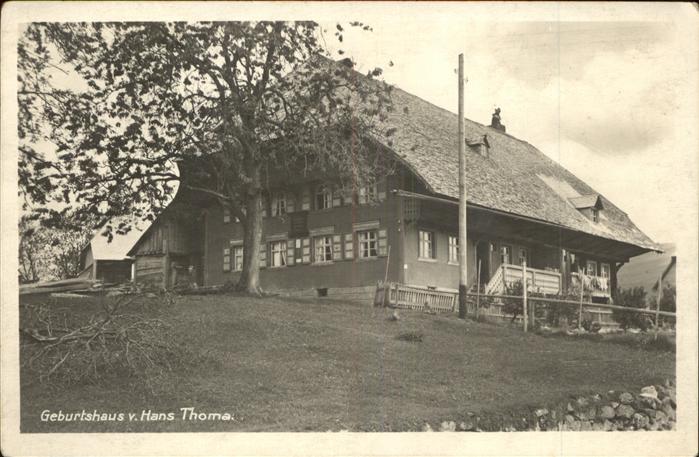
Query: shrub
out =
(411, 337)
(513, 306)
(631, 298)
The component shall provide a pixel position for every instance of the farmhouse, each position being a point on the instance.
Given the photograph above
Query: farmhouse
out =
(321, 238)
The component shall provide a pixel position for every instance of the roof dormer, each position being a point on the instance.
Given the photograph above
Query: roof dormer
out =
(481, 146)
(589, 205)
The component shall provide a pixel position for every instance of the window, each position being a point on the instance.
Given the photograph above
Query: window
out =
(453, 249)
(323, 249)
(604, 270)
(238, 258)
(226, 215)
(425, 247)
(324, 197)
(591, 268)
(367, 194)
(367, 243)
(278, 204)
(505, 255)
(595, 215)
(278, 249)
(523, 255)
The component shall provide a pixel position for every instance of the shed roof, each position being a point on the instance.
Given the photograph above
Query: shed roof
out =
(118, 248)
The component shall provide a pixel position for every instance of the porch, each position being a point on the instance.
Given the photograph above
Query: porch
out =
(549, 282)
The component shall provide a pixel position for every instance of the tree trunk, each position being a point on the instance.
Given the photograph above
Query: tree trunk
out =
(250, 276)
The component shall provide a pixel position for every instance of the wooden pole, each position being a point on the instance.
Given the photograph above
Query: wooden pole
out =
(463, 241)
(525, 315)
(385, 277)
(478, 289)
(582, 291)
(657, 304)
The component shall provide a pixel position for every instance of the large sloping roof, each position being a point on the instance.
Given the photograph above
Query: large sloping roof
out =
(515, 177)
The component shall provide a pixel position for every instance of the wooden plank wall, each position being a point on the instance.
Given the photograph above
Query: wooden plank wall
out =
(150, 269)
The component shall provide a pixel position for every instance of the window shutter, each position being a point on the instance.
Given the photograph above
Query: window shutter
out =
(297, 244)
(305, 200)
(263, 255)
(306, 250)
(383, 242)
(226, 259)
(290, 203)
(337, 198)
(349, 246)
(337, 247)
(290, 252)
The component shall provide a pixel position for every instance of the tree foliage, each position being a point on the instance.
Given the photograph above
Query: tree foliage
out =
(50, 249)
(237, 102)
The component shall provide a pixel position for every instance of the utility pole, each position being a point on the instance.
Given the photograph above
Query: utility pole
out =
(463, 242)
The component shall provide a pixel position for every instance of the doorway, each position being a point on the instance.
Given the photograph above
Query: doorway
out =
(483, 256)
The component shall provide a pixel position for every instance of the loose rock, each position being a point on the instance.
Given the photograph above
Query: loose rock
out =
(625, 398)
(649, 392)
(625, 411)
(448, 426)
(607, 412)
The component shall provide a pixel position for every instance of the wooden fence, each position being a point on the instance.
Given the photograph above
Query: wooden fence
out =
(415, 297)
(431, 299)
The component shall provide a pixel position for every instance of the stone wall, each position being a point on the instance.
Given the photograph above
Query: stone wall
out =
(653, 408)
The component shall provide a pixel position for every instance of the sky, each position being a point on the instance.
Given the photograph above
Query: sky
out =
(610, 101)
(613, 102)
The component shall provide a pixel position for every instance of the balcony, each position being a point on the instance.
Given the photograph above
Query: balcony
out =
(541, 281)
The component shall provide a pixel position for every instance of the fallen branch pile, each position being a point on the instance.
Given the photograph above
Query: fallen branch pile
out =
(119, 337)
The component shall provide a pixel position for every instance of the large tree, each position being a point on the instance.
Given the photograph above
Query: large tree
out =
(242, 100)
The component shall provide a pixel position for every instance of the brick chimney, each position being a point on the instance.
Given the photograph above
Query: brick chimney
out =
(495, 121)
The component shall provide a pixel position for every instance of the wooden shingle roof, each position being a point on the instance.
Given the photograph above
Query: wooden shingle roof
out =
(514, 177)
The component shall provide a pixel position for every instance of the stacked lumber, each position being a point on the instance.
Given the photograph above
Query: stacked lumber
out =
(64, 285)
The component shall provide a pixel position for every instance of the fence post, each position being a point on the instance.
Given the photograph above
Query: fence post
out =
(478, 289)
(582, 291)
(525, 315)
(657, 304)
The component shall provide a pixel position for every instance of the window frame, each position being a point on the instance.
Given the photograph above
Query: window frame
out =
(602, 266)
(282, 253)
(277, 210)
(367, 194)
(327, 248)
(587, 267)
(453, 243)
(368, 242)
(234, 257)
(595, 215)
(429, 243)
(324, 192)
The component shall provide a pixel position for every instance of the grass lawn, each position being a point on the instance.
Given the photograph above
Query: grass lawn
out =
(317, 365)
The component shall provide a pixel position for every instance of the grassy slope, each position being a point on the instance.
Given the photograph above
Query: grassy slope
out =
(293, 365)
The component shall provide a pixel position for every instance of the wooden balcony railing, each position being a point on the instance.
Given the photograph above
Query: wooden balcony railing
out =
(542, 281)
